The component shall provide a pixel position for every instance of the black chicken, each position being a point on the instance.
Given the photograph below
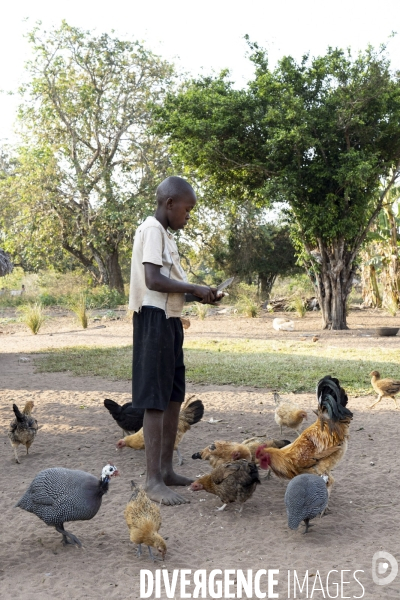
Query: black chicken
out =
(128, 418)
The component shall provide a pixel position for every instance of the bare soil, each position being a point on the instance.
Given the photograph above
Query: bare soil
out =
(76, 431)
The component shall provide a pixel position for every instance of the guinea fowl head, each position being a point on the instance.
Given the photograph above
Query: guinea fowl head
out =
(108, 472)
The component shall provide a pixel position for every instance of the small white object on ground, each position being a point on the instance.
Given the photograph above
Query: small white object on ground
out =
(282, 324)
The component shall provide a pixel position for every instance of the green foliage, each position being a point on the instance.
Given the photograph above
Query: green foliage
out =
(79, 306)
(298, 305)
(316, 137)
(247, 303)
(86, 173)
(33, 316)
(105, 297)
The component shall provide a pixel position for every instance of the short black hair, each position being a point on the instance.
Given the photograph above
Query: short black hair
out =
(173, 187)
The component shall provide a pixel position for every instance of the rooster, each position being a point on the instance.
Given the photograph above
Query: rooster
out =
(23, 428)
(231, 482)
(321, 446)
(190, 414)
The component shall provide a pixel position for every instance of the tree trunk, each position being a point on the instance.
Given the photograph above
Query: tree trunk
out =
(332, 275)
(114, 272)
(266, 284)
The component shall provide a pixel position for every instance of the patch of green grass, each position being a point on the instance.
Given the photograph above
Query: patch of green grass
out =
(278, 365)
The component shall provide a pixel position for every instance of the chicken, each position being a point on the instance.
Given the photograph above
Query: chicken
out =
(130, 419)
(231, 482)
(288, 414)
(385, 388)
(306, 497)
(220, 452)
(190, 415)
(23, 428)
(143, 518)
(254, 442)
(321, 446)
(58, 495)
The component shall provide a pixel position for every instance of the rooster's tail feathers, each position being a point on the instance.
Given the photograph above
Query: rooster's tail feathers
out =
(193, 413)
(332, 397)
(17, 412)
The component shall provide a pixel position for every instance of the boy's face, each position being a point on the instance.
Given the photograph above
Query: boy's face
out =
(178, 210)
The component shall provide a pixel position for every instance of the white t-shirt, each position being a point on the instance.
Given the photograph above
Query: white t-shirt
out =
(153, 244)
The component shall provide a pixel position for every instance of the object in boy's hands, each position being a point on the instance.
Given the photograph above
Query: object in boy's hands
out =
(288, 414)
(306, 497)
(128, 418)
(23, 428)
(59, 495)
(231, 482)
(143, 518)
(190, 415)
(321, 446)
(385, 388)
(220, 452)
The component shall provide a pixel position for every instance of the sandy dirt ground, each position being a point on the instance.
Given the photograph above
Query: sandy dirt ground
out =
(76, 431)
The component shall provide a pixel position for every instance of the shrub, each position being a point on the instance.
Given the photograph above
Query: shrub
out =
(79, 307)
(32, 316)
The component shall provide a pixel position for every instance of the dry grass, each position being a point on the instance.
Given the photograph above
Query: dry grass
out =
(32, 316)
(79, 308)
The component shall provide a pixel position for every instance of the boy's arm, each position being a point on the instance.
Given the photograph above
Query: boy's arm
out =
(157, 282)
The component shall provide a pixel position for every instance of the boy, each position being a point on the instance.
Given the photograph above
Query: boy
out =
(157, 294)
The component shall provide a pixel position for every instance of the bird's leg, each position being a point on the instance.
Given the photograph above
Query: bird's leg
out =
(395, 402)
(298, 433)
(221, 507)
(180, 459)
(240, 509)
(379, 399)
(139, 550)
(153, 558)
(68, 538)
(307, 524)
(15, 447)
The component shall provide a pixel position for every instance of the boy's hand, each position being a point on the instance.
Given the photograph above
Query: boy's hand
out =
(207, 294)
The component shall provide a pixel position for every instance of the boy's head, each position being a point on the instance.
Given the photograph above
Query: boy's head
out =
(175, 200)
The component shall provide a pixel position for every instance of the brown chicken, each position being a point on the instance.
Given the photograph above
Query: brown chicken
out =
(254, 442)
(231, 482)
(190, 415)
(221, 452)
(143, 518)
(23, 428)
(288, 414)
(321, 446)
(385, 388)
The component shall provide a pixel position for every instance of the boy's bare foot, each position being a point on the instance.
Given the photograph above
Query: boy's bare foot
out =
(161, 493)
(172, 478)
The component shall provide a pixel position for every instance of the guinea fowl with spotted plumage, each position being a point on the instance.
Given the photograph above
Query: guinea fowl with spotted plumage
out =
(306, 497)
(58, 495)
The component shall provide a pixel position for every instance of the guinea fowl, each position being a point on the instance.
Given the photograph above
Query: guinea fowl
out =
(130, 419)
(58, 495)
(23, 428)
(306, 497)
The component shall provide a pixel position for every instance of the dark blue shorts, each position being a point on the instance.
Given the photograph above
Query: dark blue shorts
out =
(158, 373)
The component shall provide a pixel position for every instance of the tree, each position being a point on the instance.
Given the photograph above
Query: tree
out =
(86, 173)
(318, 136)
(256, 249)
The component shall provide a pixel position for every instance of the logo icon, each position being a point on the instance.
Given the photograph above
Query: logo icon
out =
(381, 561)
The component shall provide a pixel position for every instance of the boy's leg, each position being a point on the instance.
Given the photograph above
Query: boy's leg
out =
(170, 428)
(153, 428)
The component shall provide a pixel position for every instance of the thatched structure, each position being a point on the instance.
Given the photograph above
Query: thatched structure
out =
(6, 265)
